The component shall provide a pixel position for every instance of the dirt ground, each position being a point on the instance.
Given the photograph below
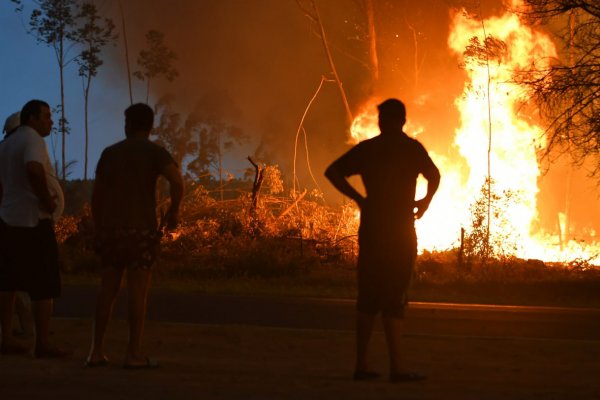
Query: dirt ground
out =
(247, 362)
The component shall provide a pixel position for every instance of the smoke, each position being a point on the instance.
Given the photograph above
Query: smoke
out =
(263, 61)
(258, 63)
(252, 63)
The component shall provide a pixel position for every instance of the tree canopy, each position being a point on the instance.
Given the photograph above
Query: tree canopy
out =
(568, 92)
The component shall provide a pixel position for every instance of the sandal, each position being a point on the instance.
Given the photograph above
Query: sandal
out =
(150, 363)
(365, 375)
(398, 377)
(103, 362)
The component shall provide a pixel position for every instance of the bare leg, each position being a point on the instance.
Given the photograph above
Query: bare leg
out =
(42, 313)
(7, 310)
(393, 328)
(138, 283)
(364, 328)
(111, 283)
(23, 310)
(42, 316)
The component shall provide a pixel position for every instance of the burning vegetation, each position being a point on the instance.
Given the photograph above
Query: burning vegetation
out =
(491, 174)
(492, 218)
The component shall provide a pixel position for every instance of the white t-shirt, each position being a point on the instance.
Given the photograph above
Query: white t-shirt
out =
(20, 206)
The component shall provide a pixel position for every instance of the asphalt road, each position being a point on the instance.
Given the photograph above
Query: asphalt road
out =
(250, 347)
(422, 319)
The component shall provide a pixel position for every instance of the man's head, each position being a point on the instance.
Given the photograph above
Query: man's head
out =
(392, 115)
(139, 118)
(12, 123)
(37, 115)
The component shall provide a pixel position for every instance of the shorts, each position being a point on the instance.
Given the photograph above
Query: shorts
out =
(385, 269)
(127, 247)
(29, 260)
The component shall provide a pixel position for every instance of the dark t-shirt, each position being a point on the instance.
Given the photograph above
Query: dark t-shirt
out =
(389, 165)
(127, 172)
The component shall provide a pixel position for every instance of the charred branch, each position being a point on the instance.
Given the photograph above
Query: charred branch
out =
(256, 185)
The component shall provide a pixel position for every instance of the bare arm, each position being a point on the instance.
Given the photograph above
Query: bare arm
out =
(37, 179)
(433, 182)
(172, 174)
(339, 181)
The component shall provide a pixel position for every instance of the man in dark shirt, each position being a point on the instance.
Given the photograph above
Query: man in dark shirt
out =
(389, 165)
(127, 235)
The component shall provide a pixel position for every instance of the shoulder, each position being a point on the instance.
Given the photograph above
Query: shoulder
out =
(367, 144)
(114, 152)
(28, 133)
(113, 148)
(33, 145)
(27, 136)
(414, 145)
(157, 147)
(157, 151)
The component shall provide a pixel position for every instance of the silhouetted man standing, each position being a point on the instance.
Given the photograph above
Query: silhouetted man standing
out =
(389, 165)
(127, 236)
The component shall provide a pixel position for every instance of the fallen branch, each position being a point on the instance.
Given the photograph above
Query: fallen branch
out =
(287, 210)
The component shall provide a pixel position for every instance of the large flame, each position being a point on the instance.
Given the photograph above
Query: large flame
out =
(491, 50)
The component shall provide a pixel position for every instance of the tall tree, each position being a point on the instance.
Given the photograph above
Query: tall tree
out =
(176, 133)
(126, 45)
(52, 23)
(372, 37)
(215, 137)
(568, 92)
(311, 11)
(199, 140)
(484, 53)
(156, 60)
(93, 33)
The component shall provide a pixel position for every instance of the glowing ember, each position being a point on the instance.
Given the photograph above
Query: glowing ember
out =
(515, 138)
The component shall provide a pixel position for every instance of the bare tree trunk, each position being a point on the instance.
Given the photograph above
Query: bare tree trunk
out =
(220, 155)
(461, 250)
(258, 180)
(417, 66)
(86, 96)
(570, 167)
(300, 125)
(561, 237)
(336, 77)
(126, 52)
(489, 150)
(63, 120)
(147, 89)
(373, 56)
(308, 160)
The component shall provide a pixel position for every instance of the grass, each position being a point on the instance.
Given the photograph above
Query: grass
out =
(288, 247)
(324, 283)
(548, 286)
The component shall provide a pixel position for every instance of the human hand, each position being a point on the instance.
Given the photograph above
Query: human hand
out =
(49, 205)
(420, 207)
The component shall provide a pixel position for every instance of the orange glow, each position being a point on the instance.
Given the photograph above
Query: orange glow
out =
(515, 139)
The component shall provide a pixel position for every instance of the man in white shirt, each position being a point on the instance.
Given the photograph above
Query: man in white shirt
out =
(31, 200)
